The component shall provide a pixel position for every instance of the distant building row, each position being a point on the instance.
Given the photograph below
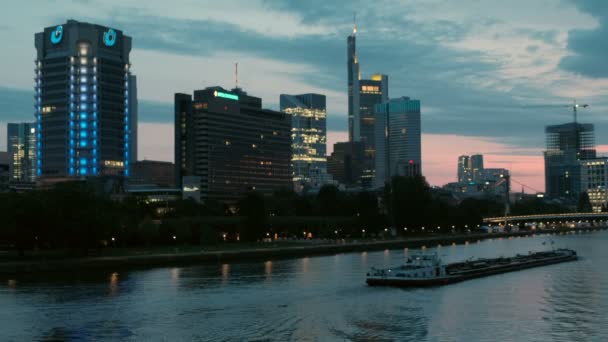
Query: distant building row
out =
(476, 180)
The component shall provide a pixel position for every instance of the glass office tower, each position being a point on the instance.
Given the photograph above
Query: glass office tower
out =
(21, 144)
(83, 124)
(308, 137)
(398, 139)
(567, 145)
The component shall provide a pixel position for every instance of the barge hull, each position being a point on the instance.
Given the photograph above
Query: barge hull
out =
(449, 279)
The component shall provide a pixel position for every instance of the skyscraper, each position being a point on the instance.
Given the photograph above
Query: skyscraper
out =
(464, 169)
(21, 144)
(308, 137)
(476, 166)
(82, 94)
(352, 65)
(133, 114)
(231, 143)
(567, 145)
(346, 163)
(398, 147)
(363, 95)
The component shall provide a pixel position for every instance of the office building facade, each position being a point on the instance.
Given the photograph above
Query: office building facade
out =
(4, 171)
(464, 169)
(234, 145)
(133, 122)
(398, 140)
(153, 172)
(308, 138)
(21, 144)
(82, 93)
(476, 166)
(346, 162)
(567, 145)
(594, 181)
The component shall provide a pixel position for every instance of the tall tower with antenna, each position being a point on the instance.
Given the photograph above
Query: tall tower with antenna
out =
(352, 65)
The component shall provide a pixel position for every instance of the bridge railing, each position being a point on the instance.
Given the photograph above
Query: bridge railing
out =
(545, 217)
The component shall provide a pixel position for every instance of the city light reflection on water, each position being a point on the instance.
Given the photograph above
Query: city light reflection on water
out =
(319, 298)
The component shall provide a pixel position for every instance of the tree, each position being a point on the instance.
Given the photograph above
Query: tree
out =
(408, 201)
(584, 205)
(252, 208)
(329, 201)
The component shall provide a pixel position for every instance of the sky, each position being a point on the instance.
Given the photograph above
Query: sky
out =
(490, 74)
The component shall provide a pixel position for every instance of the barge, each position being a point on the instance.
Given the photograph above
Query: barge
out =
(428, 269)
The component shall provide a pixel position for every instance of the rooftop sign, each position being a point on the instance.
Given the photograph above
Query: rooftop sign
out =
(226, 95)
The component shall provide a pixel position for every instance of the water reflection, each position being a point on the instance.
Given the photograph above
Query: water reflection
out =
(268, 269)
(319, 298)
(225, 273)
(114, 284)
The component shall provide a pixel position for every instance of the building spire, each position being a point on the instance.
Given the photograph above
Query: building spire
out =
(354, 23)
(236, 74)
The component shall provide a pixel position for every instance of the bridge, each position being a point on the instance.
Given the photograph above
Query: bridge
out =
(548, 218)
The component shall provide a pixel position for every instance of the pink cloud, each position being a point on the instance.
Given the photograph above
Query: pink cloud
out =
(440, 158)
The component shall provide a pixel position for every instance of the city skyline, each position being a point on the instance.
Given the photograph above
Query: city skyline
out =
(533, 68)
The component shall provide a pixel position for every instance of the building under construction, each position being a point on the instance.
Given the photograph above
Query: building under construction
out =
(567, 145)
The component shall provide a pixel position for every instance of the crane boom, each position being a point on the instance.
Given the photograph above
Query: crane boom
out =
(574, 107)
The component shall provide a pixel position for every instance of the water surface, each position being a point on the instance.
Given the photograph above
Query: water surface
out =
(320, 299)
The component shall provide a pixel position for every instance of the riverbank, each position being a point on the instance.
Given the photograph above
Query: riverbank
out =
(251, 254)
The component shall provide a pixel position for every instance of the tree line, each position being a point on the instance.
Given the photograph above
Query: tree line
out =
(75, 217)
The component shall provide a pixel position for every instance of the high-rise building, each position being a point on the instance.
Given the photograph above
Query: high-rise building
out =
(370, 93)
(567, 145)
(398, 139)
(4, 171)
(345, 164)
(363, 95)
(82, 94)
(476, 166)
(21, 144)
(133, 114)
(464, 169)
(594, 181)
(352, 66)
(231, 143)
(308, 138)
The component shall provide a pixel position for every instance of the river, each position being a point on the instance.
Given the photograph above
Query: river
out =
(319, 299)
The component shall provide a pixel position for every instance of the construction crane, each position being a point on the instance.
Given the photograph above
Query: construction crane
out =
(575, 106)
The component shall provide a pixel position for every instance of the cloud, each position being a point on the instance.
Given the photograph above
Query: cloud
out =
(465, 85)
(589, 47)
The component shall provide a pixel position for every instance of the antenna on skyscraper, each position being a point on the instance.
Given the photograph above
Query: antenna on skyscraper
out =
(236, 74)
(354, 23)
